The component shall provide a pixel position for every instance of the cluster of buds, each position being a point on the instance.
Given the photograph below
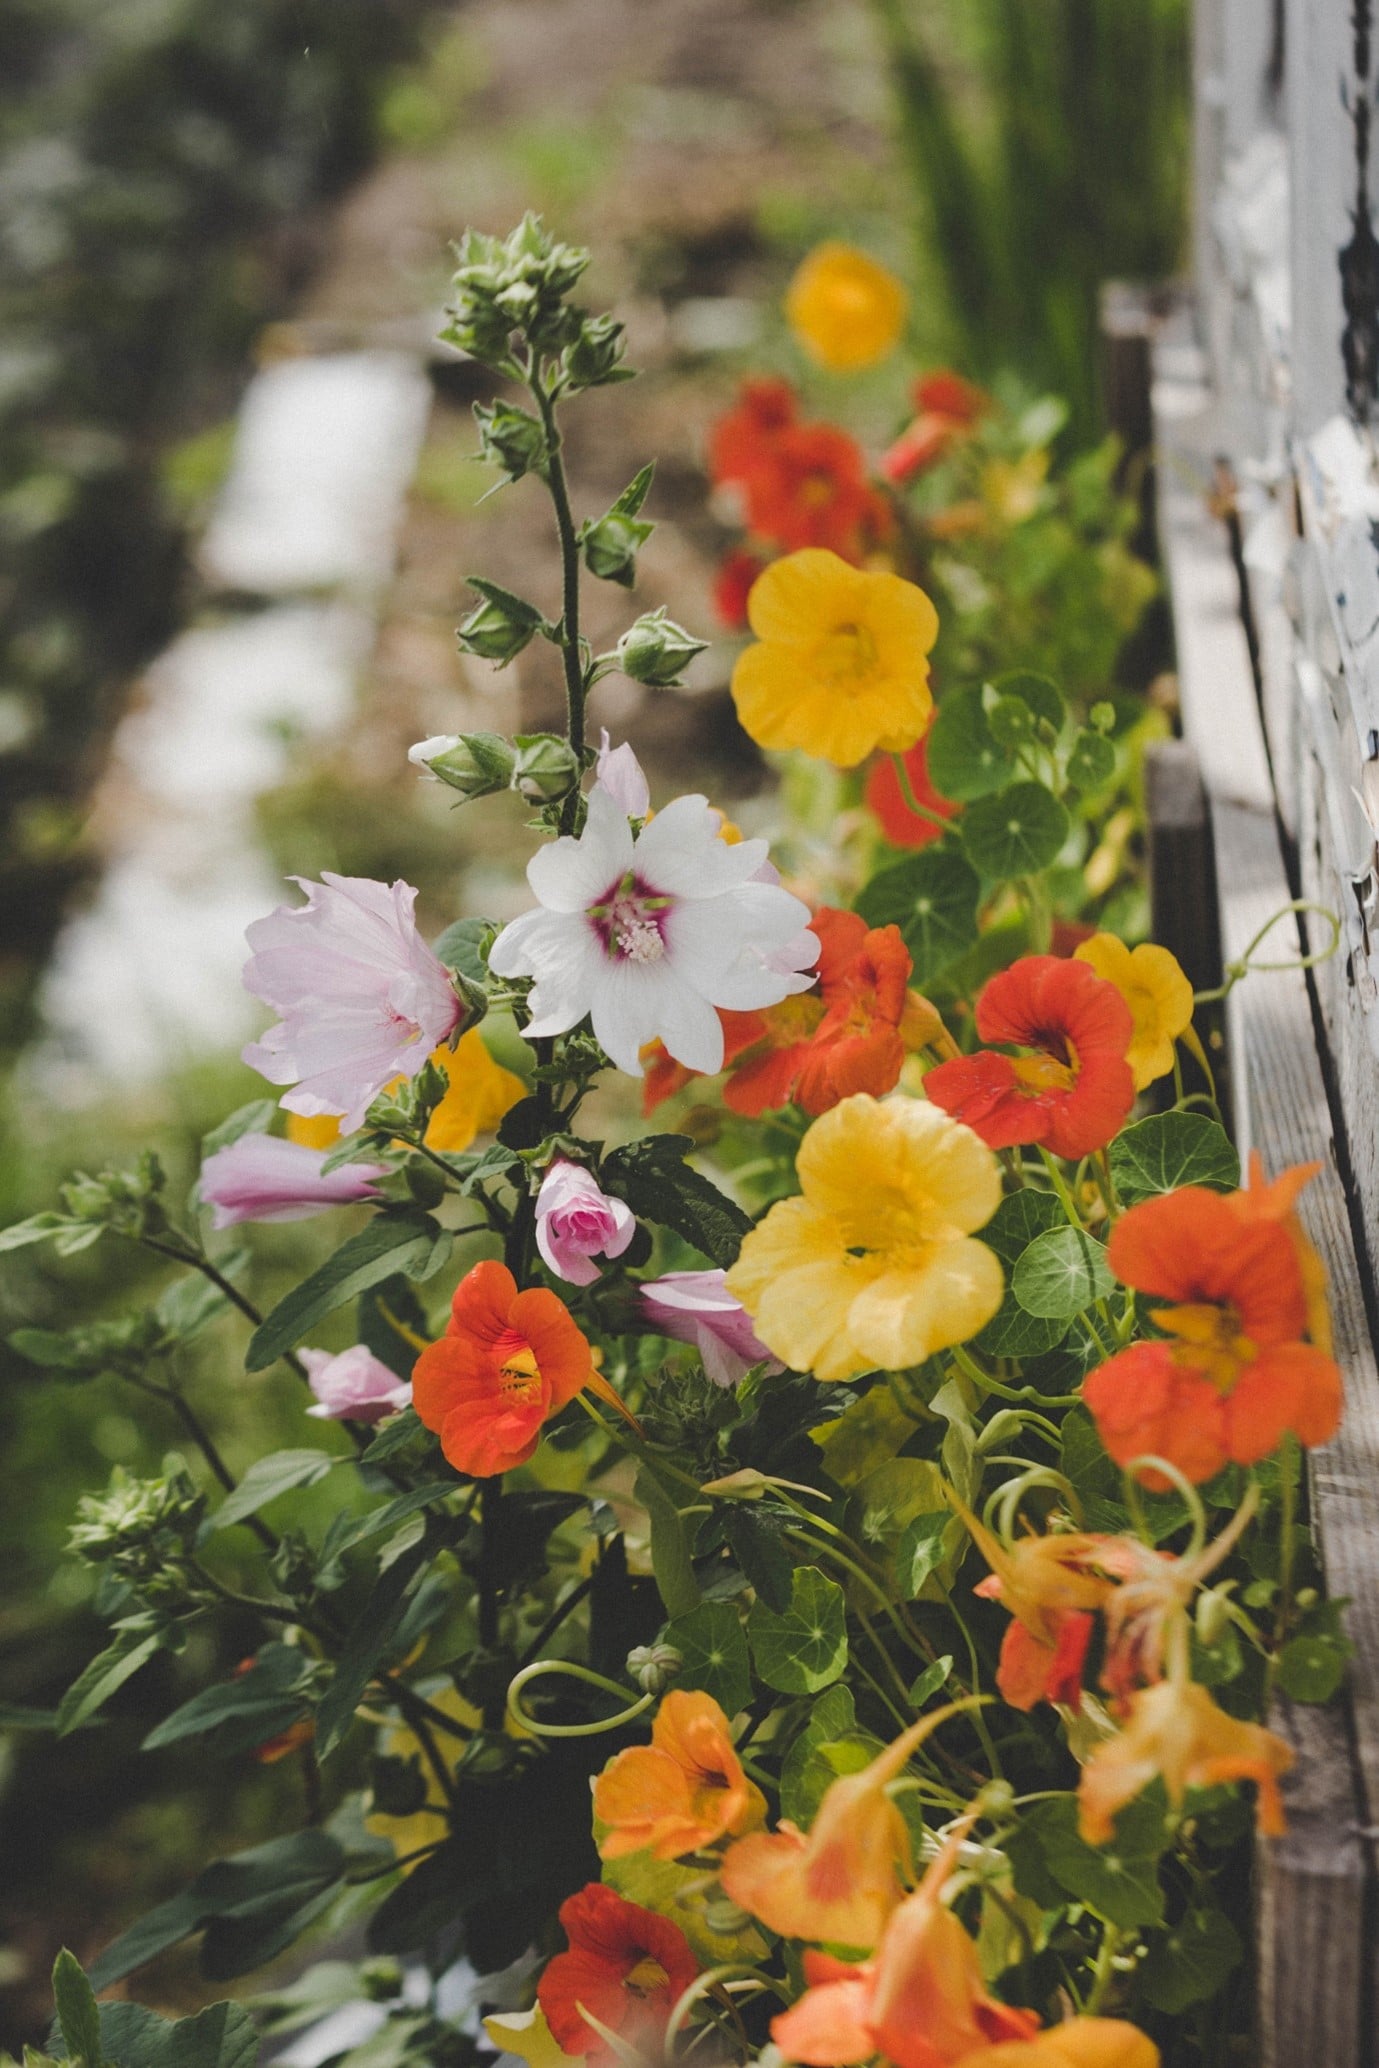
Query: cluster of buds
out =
(539, 766)
(142, 1529)
(127, 1201)
(124, 1347)
(515, 287)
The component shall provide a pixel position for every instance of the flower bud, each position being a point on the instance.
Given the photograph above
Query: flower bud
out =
(593, 358)
(656, 650)
(499, 627)
(654, 1667)
(547, 767)
(611, 546)
(474, 763)
(1213, 1615)
(512, 439)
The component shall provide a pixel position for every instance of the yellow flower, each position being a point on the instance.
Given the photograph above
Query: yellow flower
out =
(846, 311)
(1013, 489)
(1158, 994)
(874, 1267)
(841, 663)
(479, 1093)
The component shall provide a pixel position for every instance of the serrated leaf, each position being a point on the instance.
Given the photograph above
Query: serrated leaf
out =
(1062, 1273)
(932, 897)
(1172, 1149)
(279, 1473)
(76, 2011)
(104, 1677)
(713, 1651)
(963, 755)
(670, 1545)
(1190, 1963)
(806, 1648)
(256, 1118)
(458, 948)
(409, 1242)
(1018, 832)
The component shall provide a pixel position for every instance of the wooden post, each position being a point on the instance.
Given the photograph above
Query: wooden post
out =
(1182, 879)
(1335, 280)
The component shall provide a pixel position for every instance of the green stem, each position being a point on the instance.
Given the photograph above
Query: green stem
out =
(912, 803)
(1060, 1186)
(1103, 1973)
(575, 686)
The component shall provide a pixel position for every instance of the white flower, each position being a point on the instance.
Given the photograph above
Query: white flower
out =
(648, 936)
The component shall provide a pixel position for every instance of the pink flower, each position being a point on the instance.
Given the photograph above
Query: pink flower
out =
(363, 1000)
(694, 1307)
(263, 1178)
(354, 1386)
(620, 774)
(575, 1222)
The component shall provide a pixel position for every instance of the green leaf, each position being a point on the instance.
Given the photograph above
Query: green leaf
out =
(831, 1719)
(932, 897)
(17, 1716)
(37, 1228)
(410, 1242)
(1189, 1963)
(1018, 832)
(1119, 1880)
(1172, 1149)
(369, 1639)
(384, 1311)
(104, 1677)
(1092, 762)
(76, 2010)
(964, 757)
(670, 1545)
(713, 1650)
(401, 1432)
(222, 2036)
(1061, 1274)
(652, 1178)
(756, 1544)
(459, 948)
(279, 1473)
(1037, 692)
(1017, 1221)
(931, 1680)
(629, 503)
(357, 1529)
(192, 1302)
(1311, 1668)
(254, 1119)
(921, 1551)
(804, 1649)
(244, 1711)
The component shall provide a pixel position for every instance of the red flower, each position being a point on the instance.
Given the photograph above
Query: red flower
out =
(626, 1966)
(945, 393)
(1029, 1672)
(1236, 1375)
(947, 406)
(1073, 1092)
(802, 484)
(901, 826)
(741, 435)
(732, 585)
(507, 1362)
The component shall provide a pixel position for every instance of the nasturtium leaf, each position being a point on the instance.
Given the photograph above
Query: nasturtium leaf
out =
(1097, 1481)
(1119, 1880)
(963, 755)
(1017, 832)
(713, 1652)
(1092, 761)
(281, 1472)
(1172, 1149)
(932, 897)
(1311, 1668)
(832, 1719)
(804, 1649)
(1190, 1962)
(1017, 1221)
(410, 1242)
(887, 1502)
(931, 1680)
(1043, 697)
(1061, 1273)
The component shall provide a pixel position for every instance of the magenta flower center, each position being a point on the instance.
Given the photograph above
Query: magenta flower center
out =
(629, 919)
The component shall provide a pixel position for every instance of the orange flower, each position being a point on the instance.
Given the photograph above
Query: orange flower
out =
(507, 1362)
(1074, 1090)
(1051, 1590)
(1175, 1730)
(842, 1881)
(920, 2002)
(738, 441)
(801, 484)
(683, 1791)
(947, 406)
(1235, 1375)
(1262, 1201)
(625, 1966)
(885, 798)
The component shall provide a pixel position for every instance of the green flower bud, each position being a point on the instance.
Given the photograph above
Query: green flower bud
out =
(594, 357)
(656, 650)
(500, 626)
(611, 546)
(547, 767)
(514, 284)
(474, 763)
(510, 438)
(653, 1667)
(1213, 1615)
(143, 1527)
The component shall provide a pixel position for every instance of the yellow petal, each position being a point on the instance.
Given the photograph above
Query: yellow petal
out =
(527, 2033)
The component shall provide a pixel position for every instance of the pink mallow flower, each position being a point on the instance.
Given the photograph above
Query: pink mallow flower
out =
(264, 1178)
(576, 1221)
(619, 773)
(649, 936)
(363, 1000)
(353, 1386)
(695, 1307)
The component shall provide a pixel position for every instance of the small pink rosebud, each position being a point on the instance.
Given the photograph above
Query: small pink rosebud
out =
(354, 1386)
(576, 1221)
(695, 1307)
(619, 772)
(264, 1178)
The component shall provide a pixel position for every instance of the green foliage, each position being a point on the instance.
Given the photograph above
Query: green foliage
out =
(1061, 1274)
(404, 1241)
(805, 1648)
(652, 1176)
(1169, 1150)
(933, 899)
(713, 1652)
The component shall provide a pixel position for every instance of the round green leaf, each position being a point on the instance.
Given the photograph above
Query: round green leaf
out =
(1172, 1149)
(1012, 1332)
(965, 759)
(1018, 832)
(804, 1649)
(1190, 1963)
(1061, 1273)
(713, 1652)
(1310, 1669)
(1036, 692)
(1092, 761)
(932, 898)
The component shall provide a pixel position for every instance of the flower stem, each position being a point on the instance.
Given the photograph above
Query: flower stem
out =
(575, 685)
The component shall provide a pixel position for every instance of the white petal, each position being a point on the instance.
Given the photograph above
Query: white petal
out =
(569, 875)
(680, 852)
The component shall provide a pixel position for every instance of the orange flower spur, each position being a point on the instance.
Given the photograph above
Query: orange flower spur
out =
(1233, 1374)
(1073, 1089)
(682, 1792)
(507, 1362)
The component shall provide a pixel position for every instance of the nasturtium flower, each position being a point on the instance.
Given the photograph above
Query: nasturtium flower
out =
(846, 310)
(794, 484)
(576, 1221)
(1232, 1374)
(1052, 1588)
(1174, 1731)
(888, 802)
(353, 1385)
(1159, 996)
(625, 1966)
(946, 407)
(1073, 1089)
(362, 998)
(840, 665)
(507, 1362)
(266, 1178)
(681, 1793)
(874, 1267)
(648, 936)
(478, 1093)
(696, 1307)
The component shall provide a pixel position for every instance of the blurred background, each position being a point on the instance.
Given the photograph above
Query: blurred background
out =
(236, 512)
